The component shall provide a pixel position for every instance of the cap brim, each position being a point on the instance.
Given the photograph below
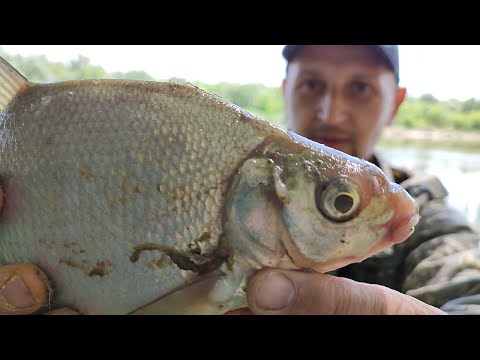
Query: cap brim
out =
(388, 52)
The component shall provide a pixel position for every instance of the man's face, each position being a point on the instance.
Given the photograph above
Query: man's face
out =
(340, 96)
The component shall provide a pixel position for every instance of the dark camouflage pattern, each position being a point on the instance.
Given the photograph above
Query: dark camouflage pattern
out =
(440, 263)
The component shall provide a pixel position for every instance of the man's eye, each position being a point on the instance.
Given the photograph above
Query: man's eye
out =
(359, 87)
(311, 86)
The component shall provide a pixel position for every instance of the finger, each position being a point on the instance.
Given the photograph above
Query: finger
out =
(296, 292)
(244, 311)
(23, 289)
(62, 311)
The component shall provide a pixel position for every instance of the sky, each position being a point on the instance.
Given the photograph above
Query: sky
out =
(445, 71)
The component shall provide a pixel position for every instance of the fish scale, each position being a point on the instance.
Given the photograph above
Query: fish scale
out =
(109, 152)
(125, 192)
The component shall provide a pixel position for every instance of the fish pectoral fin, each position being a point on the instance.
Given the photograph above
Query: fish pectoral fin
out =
(11, 83)
(188, 300)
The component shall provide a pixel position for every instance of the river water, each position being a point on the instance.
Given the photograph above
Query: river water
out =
(459, 171)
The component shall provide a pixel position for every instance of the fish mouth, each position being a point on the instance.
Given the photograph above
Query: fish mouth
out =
(402, 229)
(407, 216)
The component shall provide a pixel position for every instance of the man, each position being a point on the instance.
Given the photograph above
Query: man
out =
(344, 97)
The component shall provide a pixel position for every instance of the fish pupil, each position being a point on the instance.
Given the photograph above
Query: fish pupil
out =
(343, 203)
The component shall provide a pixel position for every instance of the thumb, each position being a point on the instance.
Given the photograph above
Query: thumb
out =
(24, 289)
(295, 292)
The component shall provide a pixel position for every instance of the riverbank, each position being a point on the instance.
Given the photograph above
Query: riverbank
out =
(438, 137)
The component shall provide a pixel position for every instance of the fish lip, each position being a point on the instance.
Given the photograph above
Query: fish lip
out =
(402, 224)
(402, 228)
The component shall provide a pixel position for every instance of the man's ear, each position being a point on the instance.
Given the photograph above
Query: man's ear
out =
(283, 87)
(399, 98)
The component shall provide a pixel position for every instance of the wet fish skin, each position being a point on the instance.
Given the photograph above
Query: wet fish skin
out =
(124, 191)
(63, 173)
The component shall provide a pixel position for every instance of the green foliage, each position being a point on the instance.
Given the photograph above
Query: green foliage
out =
(258, 99)
(39, 69)
(471, 105)
(425, 112)
(428, 98)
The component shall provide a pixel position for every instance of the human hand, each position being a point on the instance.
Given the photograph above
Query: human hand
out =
(282, 292)
(23, 289)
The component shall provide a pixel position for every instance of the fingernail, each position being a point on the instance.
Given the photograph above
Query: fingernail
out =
(274, 292)
(16, 293)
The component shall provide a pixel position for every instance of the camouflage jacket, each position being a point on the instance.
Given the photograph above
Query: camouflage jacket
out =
(440, 263)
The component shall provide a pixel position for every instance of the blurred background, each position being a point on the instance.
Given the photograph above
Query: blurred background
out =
(437, 130)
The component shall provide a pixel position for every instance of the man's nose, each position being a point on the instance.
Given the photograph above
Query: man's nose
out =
(330, 110)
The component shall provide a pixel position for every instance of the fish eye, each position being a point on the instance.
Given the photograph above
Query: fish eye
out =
(338, 200)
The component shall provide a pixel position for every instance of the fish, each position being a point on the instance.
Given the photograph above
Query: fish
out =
(146, 197)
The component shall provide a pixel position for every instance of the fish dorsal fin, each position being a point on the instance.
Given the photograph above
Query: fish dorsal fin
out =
(11, 83)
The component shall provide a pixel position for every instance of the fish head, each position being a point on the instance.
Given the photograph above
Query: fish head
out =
(338, 209)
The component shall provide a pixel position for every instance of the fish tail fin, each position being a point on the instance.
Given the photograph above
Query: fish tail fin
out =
(11, 83)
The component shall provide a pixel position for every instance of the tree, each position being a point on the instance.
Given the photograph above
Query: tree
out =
(428, 98)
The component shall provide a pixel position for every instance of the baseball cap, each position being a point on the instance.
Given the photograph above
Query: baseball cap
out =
(388, 52)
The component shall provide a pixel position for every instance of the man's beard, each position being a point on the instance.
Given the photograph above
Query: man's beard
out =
(333, 131)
